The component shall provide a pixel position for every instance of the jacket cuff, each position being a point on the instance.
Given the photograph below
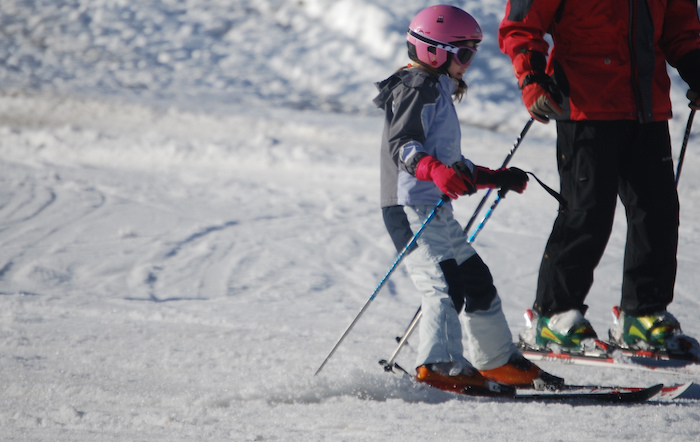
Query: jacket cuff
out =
(529, 64)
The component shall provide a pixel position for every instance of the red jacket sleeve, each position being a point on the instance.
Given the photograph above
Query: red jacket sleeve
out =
(525, 24)
(681, 33)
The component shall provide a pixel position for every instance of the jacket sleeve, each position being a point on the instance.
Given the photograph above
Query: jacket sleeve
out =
(412, 111)
(681, 30)
(681, 40)
(524, 26)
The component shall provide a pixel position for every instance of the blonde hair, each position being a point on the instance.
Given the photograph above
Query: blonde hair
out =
(461, 90)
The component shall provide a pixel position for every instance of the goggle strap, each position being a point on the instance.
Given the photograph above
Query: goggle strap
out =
(436, 43)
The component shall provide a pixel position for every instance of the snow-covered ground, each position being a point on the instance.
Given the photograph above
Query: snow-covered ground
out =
(189, 220)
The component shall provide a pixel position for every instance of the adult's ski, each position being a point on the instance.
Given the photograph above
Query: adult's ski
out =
(614, 357)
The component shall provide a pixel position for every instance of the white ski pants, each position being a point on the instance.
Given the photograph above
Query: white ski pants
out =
(489, 339)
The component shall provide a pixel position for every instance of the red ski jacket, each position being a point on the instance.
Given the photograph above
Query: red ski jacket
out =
(608, 57)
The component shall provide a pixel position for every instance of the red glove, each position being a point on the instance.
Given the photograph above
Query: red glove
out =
(694, 98)
(540, 93)
(451, 182)
(505, 179)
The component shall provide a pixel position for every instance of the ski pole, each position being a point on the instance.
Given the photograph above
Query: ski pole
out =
(505, 163)
(502, 194)
(399, 258)
(487, 215)
(389, 365)
(685, 144)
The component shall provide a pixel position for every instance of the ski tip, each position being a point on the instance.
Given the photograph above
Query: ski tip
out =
(688, 390)
(655, 389)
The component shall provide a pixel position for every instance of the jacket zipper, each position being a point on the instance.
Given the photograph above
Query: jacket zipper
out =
(633, 60)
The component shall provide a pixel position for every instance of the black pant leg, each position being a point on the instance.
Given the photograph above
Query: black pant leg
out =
(588, 160)
(648, 191)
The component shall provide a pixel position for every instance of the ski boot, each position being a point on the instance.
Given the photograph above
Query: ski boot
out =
(460, 379)
(659, 331)
(562, 332)
(520, 372)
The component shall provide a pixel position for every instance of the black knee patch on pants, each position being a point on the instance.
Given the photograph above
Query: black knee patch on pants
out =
(479, 289)
(469, 284)
(456, 284)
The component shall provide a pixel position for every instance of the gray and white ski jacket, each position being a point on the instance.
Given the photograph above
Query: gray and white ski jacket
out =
(420, 119)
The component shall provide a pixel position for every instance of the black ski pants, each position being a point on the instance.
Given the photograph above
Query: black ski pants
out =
(599, 161)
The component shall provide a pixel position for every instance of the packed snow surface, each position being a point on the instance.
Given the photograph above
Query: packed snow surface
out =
(189, 220)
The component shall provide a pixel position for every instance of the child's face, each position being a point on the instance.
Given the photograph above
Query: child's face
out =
(456, 71)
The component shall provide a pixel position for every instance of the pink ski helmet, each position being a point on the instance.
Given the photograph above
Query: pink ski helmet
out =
(434, 31)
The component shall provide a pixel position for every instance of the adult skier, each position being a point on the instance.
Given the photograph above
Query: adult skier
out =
(605, 83)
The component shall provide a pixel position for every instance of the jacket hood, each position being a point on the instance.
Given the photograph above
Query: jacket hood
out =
(412, 77)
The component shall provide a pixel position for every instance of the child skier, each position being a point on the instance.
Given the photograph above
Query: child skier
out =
(421, 160)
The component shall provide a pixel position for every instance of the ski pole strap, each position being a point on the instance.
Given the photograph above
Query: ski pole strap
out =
(563, 206)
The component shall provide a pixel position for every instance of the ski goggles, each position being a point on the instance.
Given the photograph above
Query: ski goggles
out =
(462, 55)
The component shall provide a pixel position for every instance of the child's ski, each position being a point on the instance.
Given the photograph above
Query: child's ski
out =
(572, 393)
